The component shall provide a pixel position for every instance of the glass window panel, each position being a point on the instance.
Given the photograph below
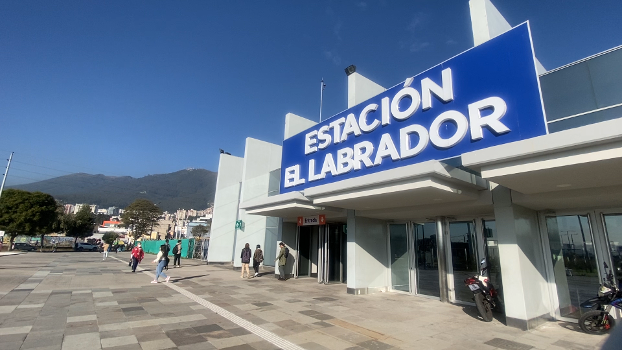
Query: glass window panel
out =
(613, 226)
(427, 259)
(492, 256)
(463, 257)
(574, 261)
(399, 257)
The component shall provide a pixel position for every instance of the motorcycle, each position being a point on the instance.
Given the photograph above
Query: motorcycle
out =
(609, 295)
(484, 293)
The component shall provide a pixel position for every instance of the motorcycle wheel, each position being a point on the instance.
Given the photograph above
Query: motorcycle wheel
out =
(595, 322)
(483, 306)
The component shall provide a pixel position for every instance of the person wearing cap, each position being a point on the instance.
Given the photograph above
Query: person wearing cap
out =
(257, 259)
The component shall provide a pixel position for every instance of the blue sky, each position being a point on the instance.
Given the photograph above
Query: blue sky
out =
(149, 87)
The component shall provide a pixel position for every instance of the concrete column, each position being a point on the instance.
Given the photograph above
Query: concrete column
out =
(525, 288)
(367, 254)
(441, 246)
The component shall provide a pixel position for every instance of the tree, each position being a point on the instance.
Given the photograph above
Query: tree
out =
(140, 216)
(26, 213)
(110, 237)
(198, 231)
(80, 224)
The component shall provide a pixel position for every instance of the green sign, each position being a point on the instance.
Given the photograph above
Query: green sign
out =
(238, 224)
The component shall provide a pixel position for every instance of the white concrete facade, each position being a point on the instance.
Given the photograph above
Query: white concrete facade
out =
(226, 204)
(505, 203)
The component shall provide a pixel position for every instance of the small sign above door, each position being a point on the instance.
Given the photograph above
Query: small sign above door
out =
(312, 220)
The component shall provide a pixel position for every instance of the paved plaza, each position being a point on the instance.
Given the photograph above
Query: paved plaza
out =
(76, 301)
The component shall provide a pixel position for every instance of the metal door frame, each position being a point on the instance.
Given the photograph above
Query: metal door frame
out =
(411, 277)
(598, 234)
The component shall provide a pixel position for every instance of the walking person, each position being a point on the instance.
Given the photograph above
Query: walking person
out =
(106, 250)
(282, 259)
(161, 261)
(137, 256)
(168, 249)
(177, 254)
(246, 259)
(257, 259)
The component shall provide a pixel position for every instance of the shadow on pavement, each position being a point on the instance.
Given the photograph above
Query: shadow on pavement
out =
(570, 326)
(472, 311)
(189, 277)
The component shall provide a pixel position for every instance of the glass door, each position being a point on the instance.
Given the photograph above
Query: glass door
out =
(426, 259)
(613, 230)
(464, 259)
(399, 257)
(574, 262)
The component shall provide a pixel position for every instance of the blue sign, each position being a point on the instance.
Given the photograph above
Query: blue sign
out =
(486, 96)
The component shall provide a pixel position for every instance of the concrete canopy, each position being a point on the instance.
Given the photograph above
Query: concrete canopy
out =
(289, 206)
(429, 182)
(580, 158)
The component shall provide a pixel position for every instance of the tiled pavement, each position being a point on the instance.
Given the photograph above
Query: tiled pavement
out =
(76, 301)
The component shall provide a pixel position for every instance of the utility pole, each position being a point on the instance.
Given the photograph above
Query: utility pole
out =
(322, 86)
(6, 173)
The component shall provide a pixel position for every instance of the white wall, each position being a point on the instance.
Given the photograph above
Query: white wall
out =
(525, 288)
(360, 89)
(295, 124)
(226, 202)
(259, 177)
(367, 254)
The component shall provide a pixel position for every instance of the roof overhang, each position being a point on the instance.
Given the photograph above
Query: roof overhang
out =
(585, 157)
(430, 182)
(288, 205)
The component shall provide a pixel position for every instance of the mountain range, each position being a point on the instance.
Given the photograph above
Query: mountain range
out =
(184, 189)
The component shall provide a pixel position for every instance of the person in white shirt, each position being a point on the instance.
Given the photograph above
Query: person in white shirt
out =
(161, 261)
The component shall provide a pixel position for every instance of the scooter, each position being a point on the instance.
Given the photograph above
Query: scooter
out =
(609, 295)
(484, 292)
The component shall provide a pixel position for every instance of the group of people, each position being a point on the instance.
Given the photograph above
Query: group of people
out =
(162, 260)
(257, 258)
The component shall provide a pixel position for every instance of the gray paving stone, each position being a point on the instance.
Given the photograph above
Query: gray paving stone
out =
(119, 341)
(82, 341)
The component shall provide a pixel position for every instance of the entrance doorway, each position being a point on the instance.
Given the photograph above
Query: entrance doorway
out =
(414, 256)
(322, 253)
(577, 245)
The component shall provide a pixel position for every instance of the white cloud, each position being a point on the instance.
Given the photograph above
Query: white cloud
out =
(333, 57)
(416, 47)
(451, 42)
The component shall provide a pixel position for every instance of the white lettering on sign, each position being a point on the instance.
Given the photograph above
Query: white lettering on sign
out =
(365, 154)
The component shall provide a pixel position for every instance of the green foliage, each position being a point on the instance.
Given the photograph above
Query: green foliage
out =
(110, 237)
(199, 231)
(140, 217)
(27, 213)
(80, 224)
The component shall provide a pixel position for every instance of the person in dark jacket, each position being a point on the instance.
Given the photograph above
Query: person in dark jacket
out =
(282, 261)
(166, 258)
(246, 259)
(257, 260)
(177, 254)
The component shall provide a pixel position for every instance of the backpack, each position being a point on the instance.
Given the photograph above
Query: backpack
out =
(286, 253)
(176, 249)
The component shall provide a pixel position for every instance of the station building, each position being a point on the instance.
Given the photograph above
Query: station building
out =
(486, 155)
